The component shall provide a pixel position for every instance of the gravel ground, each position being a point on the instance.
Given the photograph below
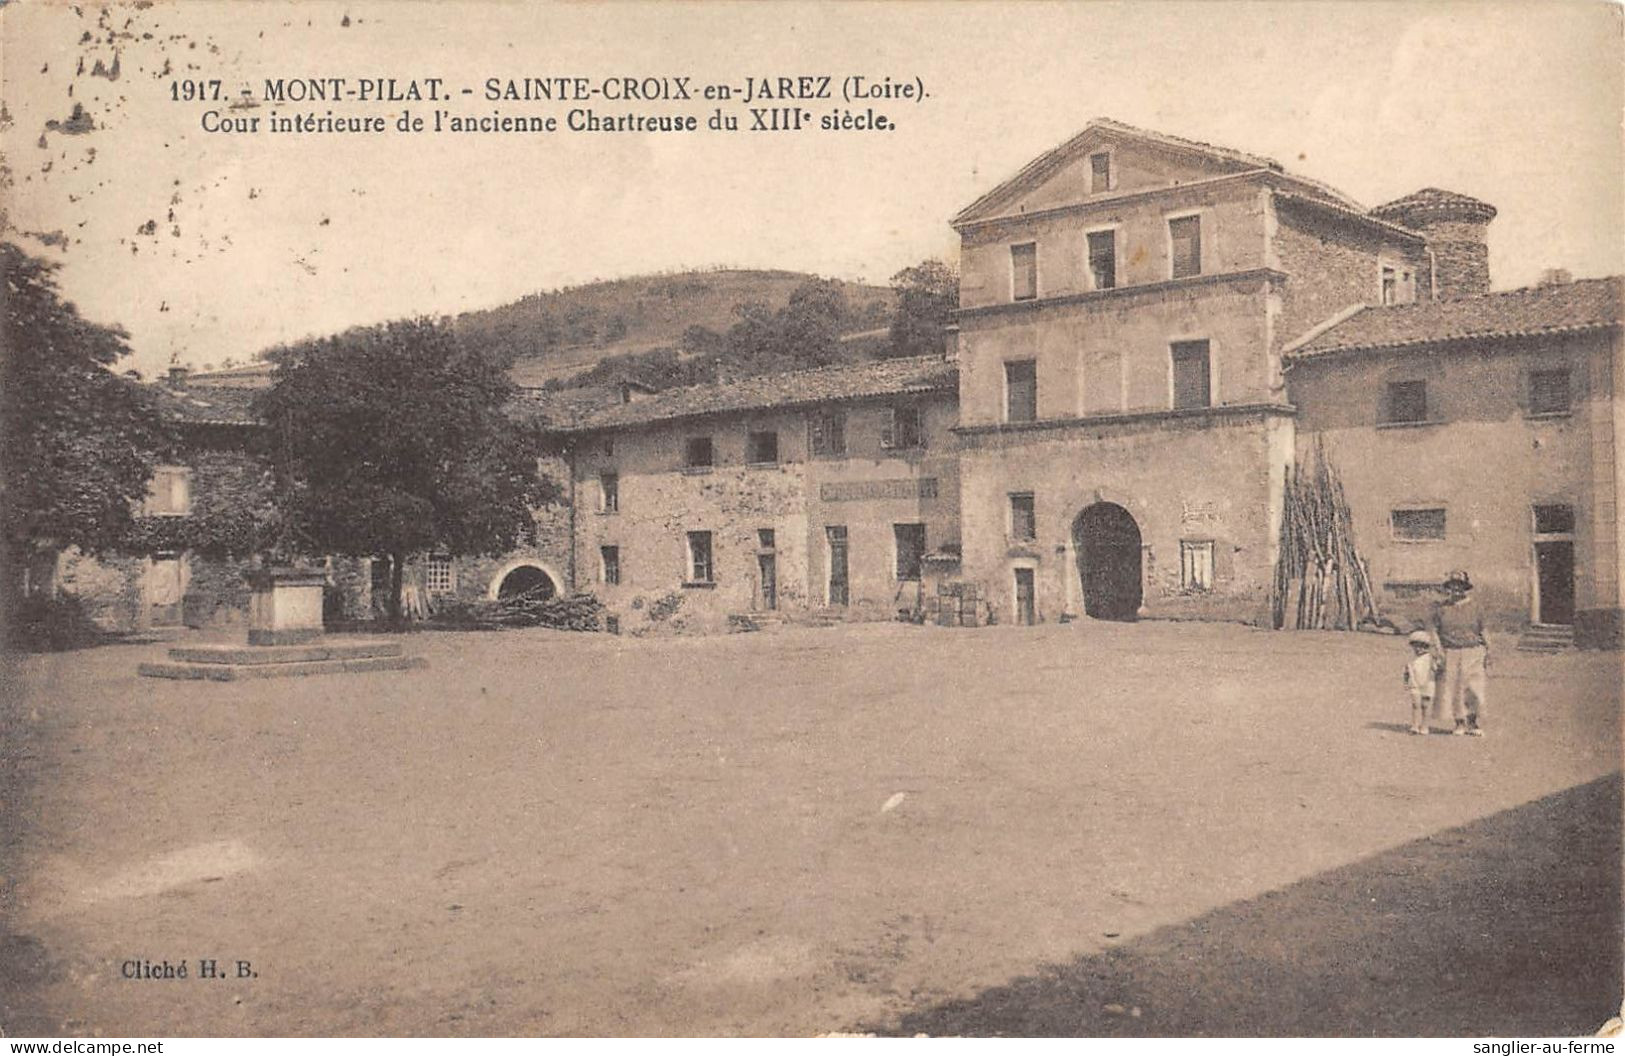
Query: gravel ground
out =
(1082, 829)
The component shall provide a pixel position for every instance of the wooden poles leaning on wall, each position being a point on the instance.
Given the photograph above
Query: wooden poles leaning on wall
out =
(1321, 582)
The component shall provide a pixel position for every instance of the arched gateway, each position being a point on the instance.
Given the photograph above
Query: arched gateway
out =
(522, 579)
(1107, 542)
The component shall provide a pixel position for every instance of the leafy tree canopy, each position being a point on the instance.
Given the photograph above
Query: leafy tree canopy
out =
(399, 438)
(77, 440)
(927, 295)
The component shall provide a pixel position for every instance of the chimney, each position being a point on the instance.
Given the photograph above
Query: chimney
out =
(1454, 226)
(1556, 277)
(178, 375)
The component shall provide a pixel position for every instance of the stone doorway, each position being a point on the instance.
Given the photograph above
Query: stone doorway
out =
(1107, 542)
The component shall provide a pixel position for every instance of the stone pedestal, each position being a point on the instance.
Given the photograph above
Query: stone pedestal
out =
(285, 607)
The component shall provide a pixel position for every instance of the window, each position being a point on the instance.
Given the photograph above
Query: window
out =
(1103, 259)
(1196, 564)
(1192, 375)
(904, 429)
(1024, 271)
(700, 569)
(698, 453)
(762, 447)
(765, 538)
(609, 492)
(1185, 237)
(1021, 391)
(611, 558)
(1407, 402)
(169, 494)
(1100, 172)
(826, 433)
(910, 539)
(1418, 525)
(1023, 520)
(1554, 520)
(1549, 392)
(1398, 285)
(439, 576)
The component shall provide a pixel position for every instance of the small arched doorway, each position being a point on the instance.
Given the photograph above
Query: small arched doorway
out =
(526, 579)
(1107, 543)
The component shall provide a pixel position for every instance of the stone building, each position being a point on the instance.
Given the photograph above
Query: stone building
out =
(818, 489)
(1480, 433)
(1128, 303)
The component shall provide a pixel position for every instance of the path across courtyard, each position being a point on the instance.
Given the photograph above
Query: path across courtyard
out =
(1092, 828)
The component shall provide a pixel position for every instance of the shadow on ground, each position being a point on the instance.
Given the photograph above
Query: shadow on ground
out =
(1507, 926)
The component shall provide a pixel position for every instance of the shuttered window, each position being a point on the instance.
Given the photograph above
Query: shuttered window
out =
(1103, 259)
(910, 542)
(1100, 172)
(1024, 271)
(700, 569)
(826, 433)
(1418, 525)
(1021, 391)
(1185, 234)
(1549, 392)
(902, 429)
(1023, 521)
(1407, 402)
(611, 556)
(1196, 564)
(1192, 386)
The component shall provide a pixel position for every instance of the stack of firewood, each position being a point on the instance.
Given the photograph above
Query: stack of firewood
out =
(574, 612)
(1321, 582)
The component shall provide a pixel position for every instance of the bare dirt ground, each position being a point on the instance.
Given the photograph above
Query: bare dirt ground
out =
(1084, 829)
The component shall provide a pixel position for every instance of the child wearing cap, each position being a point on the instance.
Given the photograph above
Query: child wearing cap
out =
(1421, 676)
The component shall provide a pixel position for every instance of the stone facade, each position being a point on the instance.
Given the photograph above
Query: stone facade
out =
(765, 515)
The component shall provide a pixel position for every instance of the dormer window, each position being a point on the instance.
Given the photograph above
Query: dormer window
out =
(1100, 173)
(1398, 285)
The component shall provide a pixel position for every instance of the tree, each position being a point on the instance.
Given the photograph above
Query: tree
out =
(397, 439)
(927, 295)
(77, 441)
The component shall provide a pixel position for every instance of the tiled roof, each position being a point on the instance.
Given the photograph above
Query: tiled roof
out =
(212, 405)
(1589, 304)
(798, 388)
(1433, 200)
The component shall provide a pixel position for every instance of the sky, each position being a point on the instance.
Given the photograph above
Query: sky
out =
(258, 239)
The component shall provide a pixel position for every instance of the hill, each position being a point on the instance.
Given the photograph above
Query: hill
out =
(567, 331)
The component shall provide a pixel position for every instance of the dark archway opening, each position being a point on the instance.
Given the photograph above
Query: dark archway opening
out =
(1108, 547)
(527, 579)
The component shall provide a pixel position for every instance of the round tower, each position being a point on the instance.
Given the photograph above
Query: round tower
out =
(1454, 226)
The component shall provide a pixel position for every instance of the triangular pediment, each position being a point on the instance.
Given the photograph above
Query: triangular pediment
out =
(1140, 160)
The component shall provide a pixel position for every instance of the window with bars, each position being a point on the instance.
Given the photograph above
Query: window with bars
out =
(1103, 259)
(826, 433)
(1196, 564)
(910, 541)
(1407, 402)
(1549, 392)
(1185, 239)
(1021, 390)
(1192, 371)
(1418, 525)
(1023, 517)
(439, 576)
(1024, 271)
(903, 428)
(610, 556)
(1554, 520)
(700, 567)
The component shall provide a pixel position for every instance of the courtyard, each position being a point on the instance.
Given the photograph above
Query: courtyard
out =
(1093, 828)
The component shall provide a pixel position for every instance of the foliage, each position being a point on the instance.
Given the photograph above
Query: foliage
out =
(77, 441)
(927, 295)
(665, 607)
(46, 623)
(575, 612)
(398, 438)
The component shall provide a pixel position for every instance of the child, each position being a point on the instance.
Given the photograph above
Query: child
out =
(1421, 674)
